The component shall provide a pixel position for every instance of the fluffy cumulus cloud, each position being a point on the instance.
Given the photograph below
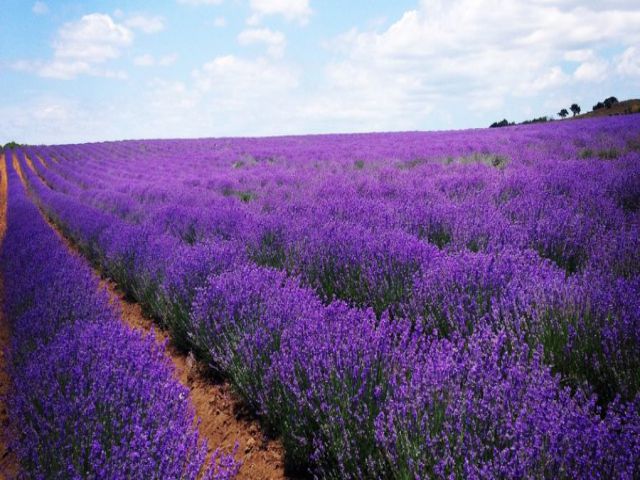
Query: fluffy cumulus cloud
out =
(592, 71)
(581, 55)
(480, 52)
(82, 47)
(94, 38)
(274, 41)
(292, 10)
(237, 80)
(227, 95)
(441, 64)
(629, 62)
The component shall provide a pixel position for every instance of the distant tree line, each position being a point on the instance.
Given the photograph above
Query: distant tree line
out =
(607, 103)
(502, 123)
(506, 123)
(575, 109)
(537, 120)
(11, 146)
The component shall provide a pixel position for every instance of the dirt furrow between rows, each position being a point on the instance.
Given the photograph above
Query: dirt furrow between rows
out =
(8, 462)
(223, 418)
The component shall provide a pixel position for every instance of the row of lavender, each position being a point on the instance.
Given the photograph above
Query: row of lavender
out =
(577, 214)
(358, 234)
(355, 393)
(90, 398)
(571, 210)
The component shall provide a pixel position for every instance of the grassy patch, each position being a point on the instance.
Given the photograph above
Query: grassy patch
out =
(604, 153)
(608, 153)
(489, 159)
(243, 195)
(634, 144)
(586, 153)
(409, 164)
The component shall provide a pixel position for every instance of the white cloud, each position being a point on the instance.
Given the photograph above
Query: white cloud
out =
(592, 71)
(148, 60)
(479, 53)
(550, 79)
(63, 70)
(442, 64)
(275, 41)
(219, 22)
(579, 55)
(36, 114)
(40, 8)
(292, 10)
(226, 96)
(172, 95)
(66, 70)
(628, 64)
(145, 24)
(94, 38)
(235, 78)
(200, 2)
(54, 119)
(80, 47)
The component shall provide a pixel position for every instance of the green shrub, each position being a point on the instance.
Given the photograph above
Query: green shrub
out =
(586, 153)
(608, 153)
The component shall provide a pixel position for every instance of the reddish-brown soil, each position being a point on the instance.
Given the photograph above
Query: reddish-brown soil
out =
(29, 163)
(223, 420)
(8, 462)
(222, 416)
(42, 162)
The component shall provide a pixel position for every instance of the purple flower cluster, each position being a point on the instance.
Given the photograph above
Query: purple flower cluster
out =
(90, 398)
(406, 305)
(238, 319)
(485, 408)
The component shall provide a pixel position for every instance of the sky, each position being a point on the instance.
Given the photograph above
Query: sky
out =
(79, 71)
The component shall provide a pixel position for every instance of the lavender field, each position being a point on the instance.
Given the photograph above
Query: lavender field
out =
(459, 304)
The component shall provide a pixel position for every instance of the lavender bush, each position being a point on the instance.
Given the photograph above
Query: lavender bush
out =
(402, 305)
(485, 408)
(238, 319)
(90, 398)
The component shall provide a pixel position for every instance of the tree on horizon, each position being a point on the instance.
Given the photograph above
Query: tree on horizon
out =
(575, 108)
(610, 102)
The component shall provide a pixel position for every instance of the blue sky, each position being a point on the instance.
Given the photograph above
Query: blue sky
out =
(75, 71)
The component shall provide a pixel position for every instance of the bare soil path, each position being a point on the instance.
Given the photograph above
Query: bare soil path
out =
(223, 420)
(8, 461)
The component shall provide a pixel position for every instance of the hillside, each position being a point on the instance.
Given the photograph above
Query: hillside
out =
(621, 108)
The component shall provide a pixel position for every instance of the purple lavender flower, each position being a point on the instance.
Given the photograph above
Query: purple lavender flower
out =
(90, 398)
